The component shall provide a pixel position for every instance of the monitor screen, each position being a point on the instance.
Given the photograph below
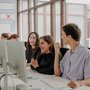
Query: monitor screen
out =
(16, 59)
(2, 51)
(3, 62)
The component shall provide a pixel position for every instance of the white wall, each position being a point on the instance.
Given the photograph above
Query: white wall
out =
(78, 1)
(76, 14)
(8, 16)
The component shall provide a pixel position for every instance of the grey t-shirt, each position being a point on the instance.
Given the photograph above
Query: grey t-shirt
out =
(75, 65)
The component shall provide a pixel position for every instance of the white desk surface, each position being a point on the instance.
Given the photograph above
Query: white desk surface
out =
(12, 82)
(35, 80)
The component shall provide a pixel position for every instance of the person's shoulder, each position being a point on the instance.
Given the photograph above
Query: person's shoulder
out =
(85, 50)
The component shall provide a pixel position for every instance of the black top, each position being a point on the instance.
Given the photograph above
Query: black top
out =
(46, 63)
(63, 51)
(32, 54)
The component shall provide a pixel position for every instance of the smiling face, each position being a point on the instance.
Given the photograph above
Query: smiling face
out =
(32, 39)
(45, 47)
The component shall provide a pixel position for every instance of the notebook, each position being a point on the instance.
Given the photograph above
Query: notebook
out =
(56, 83)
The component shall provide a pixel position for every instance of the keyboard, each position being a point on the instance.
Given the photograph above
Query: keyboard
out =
(55, 82)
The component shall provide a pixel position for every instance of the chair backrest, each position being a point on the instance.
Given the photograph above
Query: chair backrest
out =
(63, 51)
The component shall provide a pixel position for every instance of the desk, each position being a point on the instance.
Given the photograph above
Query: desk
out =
(12, 82)
(36, 81)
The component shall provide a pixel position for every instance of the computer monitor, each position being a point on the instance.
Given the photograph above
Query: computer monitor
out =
(2, 51)
(3, 62)
(16, 59)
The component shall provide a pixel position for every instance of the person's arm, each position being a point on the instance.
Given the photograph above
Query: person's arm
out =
(76, 84)
(86, 82)
(57, 70)
(48, 70)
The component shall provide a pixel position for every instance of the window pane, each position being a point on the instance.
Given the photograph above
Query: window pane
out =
(58, 25)
(75, 9)
(44, 20)
(48, 20)
(24, 4)
(24, 26)
(40, 21)
(32, 21)
(42, 1)
(78, 20)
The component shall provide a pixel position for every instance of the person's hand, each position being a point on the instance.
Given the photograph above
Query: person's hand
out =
(57, 47)
(34, 63)
(75, 84)
(58, 44)
(57, 51)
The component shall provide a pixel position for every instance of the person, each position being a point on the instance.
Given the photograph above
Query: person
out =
(4, 36)
(14, 37)
(45, 62)
(32, 47)
(75, 64)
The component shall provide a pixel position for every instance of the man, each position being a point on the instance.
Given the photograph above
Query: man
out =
(75, 65)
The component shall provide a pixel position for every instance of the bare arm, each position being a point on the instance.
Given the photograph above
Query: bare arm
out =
(86, 82)
(57, 71)
(76, 84)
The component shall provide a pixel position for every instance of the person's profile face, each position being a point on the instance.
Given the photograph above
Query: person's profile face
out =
(32, 39)
(64, 37)
(44, 46)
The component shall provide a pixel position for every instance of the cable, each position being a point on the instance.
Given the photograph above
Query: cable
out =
(11, 79)
(1, 71)
(2, 76)
(12, 82)
(0, 80)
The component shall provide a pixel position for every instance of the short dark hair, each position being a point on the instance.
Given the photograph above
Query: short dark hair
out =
(5, 35)
(14, 36)
(73, 30)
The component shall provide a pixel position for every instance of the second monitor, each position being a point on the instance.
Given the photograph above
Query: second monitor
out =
(16, 59)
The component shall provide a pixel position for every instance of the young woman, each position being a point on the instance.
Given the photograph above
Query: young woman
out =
(45, 62)
(32, 47)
